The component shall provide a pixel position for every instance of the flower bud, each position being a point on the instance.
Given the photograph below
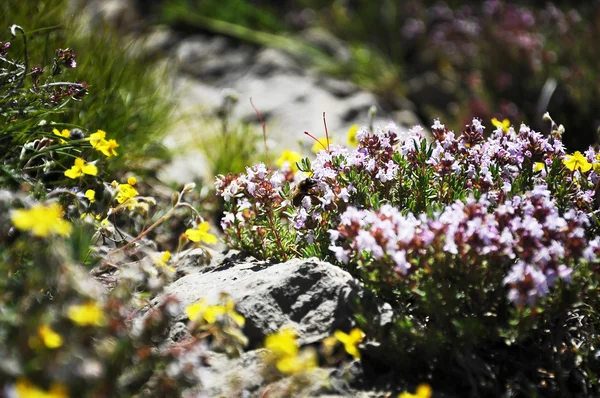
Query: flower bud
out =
(190, 186)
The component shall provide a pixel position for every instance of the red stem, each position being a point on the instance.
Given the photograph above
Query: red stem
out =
(313, 137)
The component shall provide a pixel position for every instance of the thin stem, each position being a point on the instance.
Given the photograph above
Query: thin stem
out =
(313, 137)
(60, 84)
(276, 235)
(146, 232)
(326, 132)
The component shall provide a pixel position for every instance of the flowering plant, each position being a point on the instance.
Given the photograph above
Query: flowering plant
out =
(484, 239)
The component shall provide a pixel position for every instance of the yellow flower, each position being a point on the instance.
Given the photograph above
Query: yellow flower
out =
(91, 195)
(202, 309)
(289, 157)
(423, 391)
(301, 363)
(320, 145)
(538, 166)
(89, 314)
(25, 389)
(235, 316)
(596, 167)
(505, 124)
(108, 148)
(49, 337)
(97, 138)
(126, 192)
(80, 168)
(41, 220)
(201, 234)
(99, 143)
(283, 343)
(131, 181)
(350, 341)
(163, 261)
(577, 161)
(353, 136)
(288, 357)
(65, 134)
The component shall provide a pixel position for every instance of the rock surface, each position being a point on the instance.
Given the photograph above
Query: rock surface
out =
(313, 296)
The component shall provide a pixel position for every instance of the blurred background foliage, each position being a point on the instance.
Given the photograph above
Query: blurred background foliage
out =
(127, 98)
(453, 59)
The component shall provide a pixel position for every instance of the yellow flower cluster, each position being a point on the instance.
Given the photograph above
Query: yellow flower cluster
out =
(201, 234)
(288, 358)
(100, 143)
(202, 311)
(25, 389)
(88, 314)
(41, 220)
(125, 192)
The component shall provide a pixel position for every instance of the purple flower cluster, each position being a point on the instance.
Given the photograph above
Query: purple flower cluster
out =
(250, 194)
(525, 236)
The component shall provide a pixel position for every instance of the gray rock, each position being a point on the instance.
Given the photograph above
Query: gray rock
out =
(337, 87)
(199, 48)
(159, 41)
(313, 296)
(270, 60)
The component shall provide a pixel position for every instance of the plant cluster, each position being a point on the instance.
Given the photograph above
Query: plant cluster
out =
(477, 240)
(66, 331)
(495, 58)
(80, 268)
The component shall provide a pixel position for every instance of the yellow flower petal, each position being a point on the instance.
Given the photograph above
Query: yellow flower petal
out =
(538, 166)
(49, 337)
(352, 136)
(90, 169)
(504, 125)
(283, 343)
(41, 220)
(89, 314)
(131, 181)
(90, 194)
(97, 137)
(193, 311)
(577, 162)
(289, 157)
(25, 389)
(321, 145)
(201, 234)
